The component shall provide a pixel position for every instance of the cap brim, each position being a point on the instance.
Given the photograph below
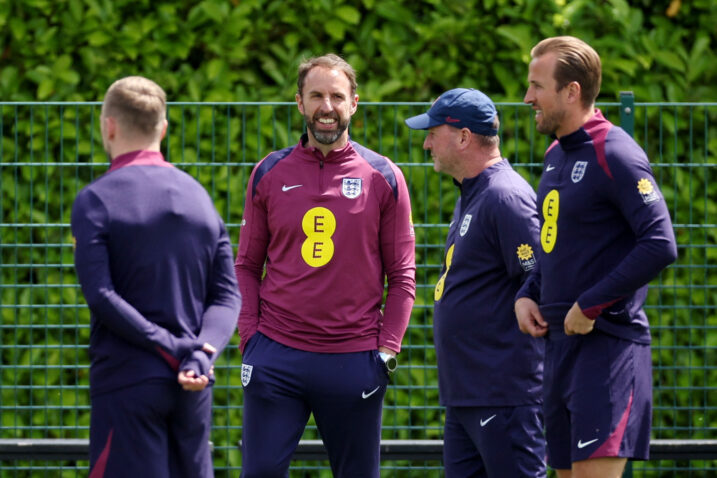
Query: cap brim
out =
(422, 121)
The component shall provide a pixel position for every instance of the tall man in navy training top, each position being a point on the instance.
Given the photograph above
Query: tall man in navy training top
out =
(605, 233)
(489, 373)
(155, 264)
(331, 220)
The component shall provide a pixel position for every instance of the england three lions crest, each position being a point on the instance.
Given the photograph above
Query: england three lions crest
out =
(246, 374)
(578, 171)
(464, 225)
(351, 187)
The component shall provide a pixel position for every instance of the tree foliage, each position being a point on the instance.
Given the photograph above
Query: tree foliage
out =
(404, 50)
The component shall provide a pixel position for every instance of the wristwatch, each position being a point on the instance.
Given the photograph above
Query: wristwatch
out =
(389, 360)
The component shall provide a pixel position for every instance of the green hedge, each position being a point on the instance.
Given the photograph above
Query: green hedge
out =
(408, 50)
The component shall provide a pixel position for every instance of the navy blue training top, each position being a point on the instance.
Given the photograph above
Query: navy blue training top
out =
(155, 265)
(605, 231)
(483, 358)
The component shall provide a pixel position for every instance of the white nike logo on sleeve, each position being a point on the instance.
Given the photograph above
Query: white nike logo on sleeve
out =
(549, 167)
(287, 188)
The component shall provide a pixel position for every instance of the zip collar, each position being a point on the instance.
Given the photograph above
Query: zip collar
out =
(334, 156)
(139, 158)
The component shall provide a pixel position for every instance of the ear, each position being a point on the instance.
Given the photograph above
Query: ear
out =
(464, 138)
(354, 104)
(164, 130)
(110, 127)
(300, 104)
(574, 92)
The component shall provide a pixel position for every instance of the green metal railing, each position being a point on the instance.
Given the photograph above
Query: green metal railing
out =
(49, 151)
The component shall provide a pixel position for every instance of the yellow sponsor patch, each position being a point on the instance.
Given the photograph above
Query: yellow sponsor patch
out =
(526, 257)
(549, 231)
(319, 224)
(438, 291)
(647, 191)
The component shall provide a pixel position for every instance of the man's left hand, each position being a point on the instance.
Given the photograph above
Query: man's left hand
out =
(578, 323)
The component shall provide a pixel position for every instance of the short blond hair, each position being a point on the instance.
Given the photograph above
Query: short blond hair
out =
(138, 104)
(576, 61)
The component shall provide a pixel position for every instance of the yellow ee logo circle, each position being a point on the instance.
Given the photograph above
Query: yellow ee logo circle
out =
(319, 224)
(549, 231)
(438, 292)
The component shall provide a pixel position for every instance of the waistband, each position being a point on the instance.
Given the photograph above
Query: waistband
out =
(554, 314)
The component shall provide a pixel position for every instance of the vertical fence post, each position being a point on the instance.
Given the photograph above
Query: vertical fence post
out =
(627, 112)
(627, 122)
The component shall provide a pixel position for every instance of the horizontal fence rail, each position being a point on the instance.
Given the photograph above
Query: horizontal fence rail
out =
(314, 450)
(49, 151)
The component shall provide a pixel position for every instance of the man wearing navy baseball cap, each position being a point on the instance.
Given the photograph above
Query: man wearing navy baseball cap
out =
(460, 108)
(490, 374)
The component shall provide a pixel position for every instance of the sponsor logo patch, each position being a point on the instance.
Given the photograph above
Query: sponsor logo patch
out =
(464, 225)
(578, 171)
(351, 187)
(647, 191)
(526, 257)
(246, 374)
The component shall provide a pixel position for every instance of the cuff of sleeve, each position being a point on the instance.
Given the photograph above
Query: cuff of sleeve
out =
(591, 312)
(244, 337)
(198, 362)
(525, 293)
(393, 347)
(594, 311)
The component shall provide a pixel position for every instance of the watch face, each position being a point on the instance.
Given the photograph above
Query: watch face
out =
(389, 360)
(391, 364)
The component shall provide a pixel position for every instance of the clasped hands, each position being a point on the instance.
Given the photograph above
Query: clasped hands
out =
(190, 381)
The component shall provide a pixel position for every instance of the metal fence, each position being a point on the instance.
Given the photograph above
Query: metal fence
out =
(49, 151)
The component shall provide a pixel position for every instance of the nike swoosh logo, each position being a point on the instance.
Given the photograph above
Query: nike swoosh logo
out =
(583, 445)
(366, 395)
(288, 188)
(550, 167)
(485, 422)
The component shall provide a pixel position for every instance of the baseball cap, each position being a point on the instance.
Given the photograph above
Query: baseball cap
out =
(460, 108)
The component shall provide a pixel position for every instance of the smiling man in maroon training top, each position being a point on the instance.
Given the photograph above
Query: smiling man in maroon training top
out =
(329, 222)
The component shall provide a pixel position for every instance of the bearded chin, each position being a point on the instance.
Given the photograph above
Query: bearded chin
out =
(328, 137)
(551, 122)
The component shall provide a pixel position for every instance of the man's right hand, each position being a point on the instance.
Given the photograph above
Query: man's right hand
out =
(530, 320)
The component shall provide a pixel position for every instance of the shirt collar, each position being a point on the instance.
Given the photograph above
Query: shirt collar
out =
(139, 158)
(335, 155)
(583, 134)
(475, 181)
